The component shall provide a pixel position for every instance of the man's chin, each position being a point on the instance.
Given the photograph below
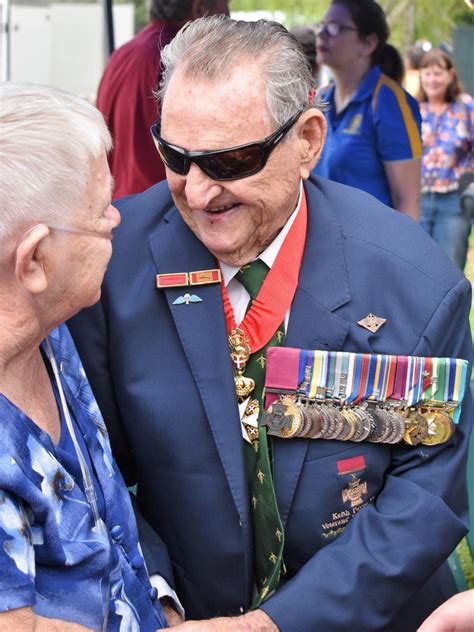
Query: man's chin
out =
(93, 300)
(236, 258)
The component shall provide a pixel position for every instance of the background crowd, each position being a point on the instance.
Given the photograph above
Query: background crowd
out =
(399, 127)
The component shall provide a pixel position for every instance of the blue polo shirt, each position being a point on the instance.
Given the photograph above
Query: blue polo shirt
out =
(381, 123)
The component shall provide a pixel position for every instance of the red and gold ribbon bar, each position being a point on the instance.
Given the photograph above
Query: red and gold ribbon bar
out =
(182, 279)
(203, 277)
(173, 279)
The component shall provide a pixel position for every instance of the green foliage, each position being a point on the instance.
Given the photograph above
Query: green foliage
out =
(464, 16)
(296, 11)
(466, 562)
(469, 272)
(409, 20)
(142, 15)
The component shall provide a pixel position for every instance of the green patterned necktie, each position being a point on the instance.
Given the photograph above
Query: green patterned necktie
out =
(268, 536)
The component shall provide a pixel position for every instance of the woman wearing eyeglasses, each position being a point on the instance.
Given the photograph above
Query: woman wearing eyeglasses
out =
(373, 140)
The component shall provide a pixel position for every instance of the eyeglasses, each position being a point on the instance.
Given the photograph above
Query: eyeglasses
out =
(81, 231)
(222, 164)
(332, 29)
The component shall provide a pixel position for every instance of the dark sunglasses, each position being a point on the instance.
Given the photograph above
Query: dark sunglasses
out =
(222, 164)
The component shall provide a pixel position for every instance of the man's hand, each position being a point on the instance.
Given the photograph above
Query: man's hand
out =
(454, 615)
(256, 621)
(172, 616)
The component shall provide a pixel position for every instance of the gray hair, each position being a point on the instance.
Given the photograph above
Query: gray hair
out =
(48, 139)
(210, 48)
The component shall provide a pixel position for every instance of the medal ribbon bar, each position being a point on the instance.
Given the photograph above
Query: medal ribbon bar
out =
(358, 396)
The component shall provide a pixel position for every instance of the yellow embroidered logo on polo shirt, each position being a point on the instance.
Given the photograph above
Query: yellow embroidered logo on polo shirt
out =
(354, 127)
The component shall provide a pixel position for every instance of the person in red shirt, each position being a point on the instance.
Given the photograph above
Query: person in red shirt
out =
(125, 96)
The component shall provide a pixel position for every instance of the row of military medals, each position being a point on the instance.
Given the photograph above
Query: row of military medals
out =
(362, 397)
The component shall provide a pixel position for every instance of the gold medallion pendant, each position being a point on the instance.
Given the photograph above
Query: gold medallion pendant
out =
(240, 353)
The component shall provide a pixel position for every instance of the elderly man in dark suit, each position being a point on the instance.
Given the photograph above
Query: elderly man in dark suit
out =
(242, 520)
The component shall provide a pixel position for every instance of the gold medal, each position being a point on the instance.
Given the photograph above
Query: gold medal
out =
(416, 428)
(352, 421)
(293, 412)
(440, 427)
(240, 353)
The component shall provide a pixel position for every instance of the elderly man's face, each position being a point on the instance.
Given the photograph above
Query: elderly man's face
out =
(236, 219)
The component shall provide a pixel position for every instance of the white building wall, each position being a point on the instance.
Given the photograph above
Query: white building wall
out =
(63, 44)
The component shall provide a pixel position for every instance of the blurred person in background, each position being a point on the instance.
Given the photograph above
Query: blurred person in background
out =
(69, 554)
(307, 39)
(413, 56)
(125, 95)
(373, 140)
(447, 165)
(392, 64)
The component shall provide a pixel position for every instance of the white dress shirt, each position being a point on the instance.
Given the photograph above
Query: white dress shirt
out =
(238, 295)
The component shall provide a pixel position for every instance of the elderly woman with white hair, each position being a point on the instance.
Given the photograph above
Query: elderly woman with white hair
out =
(69, 553)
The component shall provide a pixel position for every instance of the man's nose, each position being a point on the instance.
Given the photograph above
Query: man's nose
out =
(200, 189)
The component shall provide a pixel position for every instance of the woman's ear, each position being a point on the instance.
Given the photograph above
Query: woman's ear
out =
(370, 43)
(30, 256)
(312, 134)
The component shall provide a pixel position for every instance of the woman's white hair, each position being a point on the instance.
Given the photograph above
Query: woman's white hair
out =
(48, 139)
(210, 48)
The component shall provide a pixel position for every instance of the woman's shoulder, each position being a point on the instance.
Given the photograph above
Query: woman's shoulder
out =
(387, 90)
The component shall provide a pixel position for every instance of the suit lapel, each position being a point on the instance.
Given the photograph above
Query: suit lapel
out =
(202, 331)
(322, 288)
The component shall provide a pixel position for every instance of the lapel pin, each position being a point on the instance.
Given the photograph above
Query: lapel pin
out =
(372, 323)
(186, 299)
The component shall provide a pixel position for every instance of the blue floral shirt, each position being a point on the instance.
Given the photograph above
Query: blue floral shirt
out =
(448, 140)
(52, 557)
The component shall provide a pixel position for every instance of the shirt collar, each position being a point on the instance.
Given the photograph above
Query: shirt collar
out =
(270, 253)
(364, 90)
(367, 85)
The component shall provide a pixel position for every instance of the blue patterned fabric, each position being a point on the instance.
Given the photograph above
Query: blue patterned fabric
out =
(51, 555)
(448, 140)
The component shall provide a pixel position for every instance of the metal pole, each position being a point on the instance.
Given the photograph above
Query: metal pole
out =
(5, 30)
(109, 28)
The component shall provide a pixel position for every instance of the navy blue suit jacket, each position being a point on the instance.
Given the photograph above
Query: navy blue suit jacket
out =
(164, 380)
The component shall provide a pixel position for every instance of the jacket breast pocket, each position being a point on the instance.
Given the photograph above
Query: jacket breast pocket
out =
(337, 481)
